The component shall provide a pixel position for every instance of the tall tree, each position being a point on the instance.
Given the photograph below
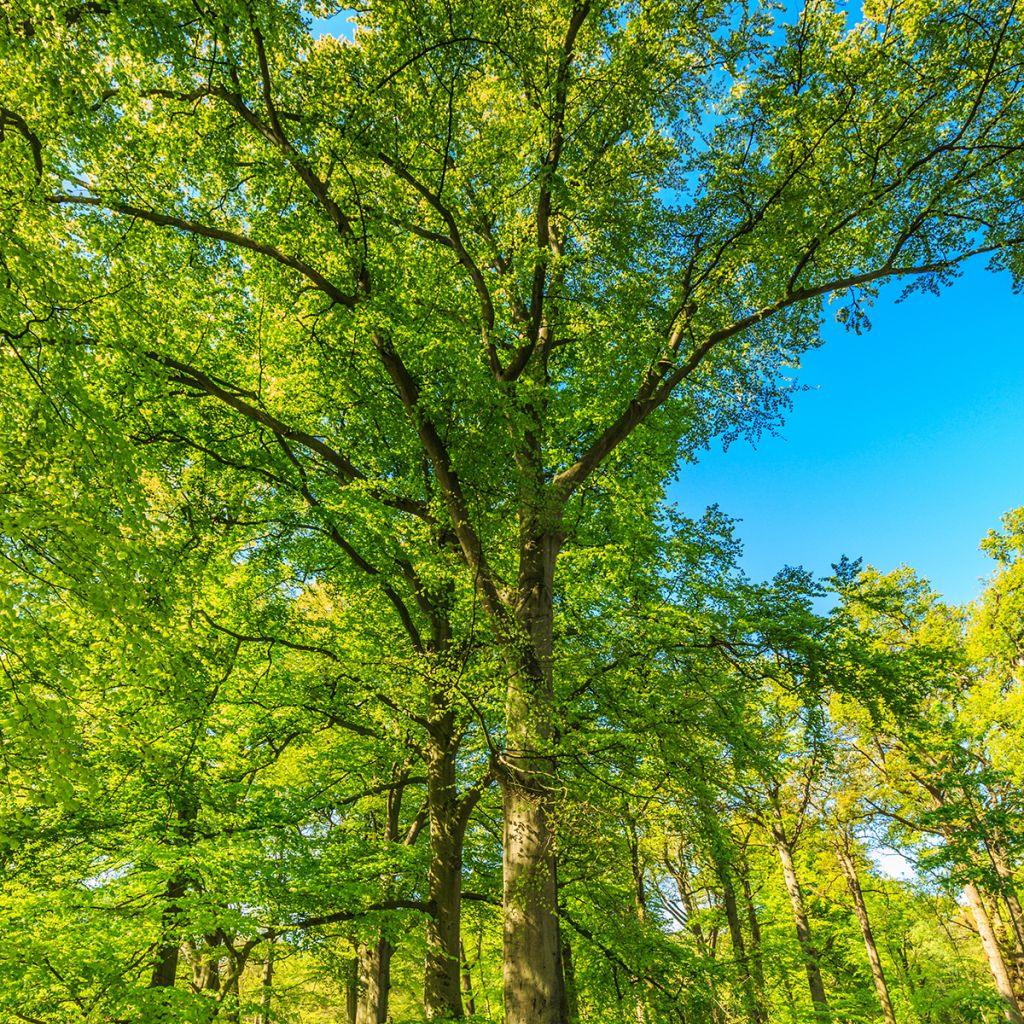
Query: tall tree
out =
(458, 282)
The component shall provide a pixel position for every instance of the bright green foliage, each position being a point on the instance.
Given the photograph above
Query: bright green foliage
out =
(341, 380)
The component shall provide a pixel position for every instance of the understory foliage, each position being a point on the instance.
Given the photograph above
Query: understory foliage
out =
(354, 665)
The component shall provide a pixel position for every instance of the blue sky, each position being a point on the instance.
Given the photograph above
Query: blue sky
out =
(907, 451)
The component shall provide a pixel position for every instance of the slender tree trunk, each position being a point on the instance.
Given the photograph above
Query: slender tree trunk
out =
(165, 970)
(860, 909)
(267, 985)
(755, 1011)
(231, 999)
(640, 900)
(374, 982)
(467, 983)
(680, 874)
(206, 964)
(996, 964)
(756, 960)
(690, 910)
(803, 925)
(534, 987)
(442, 996)
(352, 990)
(572, 999)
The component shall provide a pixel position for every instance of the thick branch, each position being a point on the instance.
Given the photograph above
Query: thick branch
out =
(447, 478)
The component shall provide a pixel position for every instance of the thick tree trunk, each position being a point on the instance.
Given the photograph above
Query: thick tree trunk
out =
(803, 925)
(996, 964)
(534, 987)
(532, 955)
(374, 982)
(861, 910)
(442, 995)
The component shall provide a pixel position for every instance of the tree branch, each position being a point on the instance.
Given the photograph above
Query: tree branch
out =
(224, 235)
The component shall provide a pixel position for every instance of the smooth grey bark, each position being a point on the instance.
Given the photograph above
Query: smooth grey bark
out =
(860, 908)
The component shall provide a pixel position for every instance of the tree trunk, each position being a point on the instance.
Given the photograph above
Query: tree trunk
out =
(534, 987)
(442, 996)
(689, 909)
(532, 954)
(231, 999)
(374, 982)
(467, 983)
(755, 1011)
(640, 901)
(267, 985)
(860, 909)
(572, 999)
(165, 970)
(352, 990)
(1008, 890)
(205, 964)
(994, 955)
(756, 961)
(803, 925)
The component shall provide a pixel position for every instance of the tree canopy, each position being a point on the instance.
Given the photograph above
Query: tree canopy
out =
(342, 604)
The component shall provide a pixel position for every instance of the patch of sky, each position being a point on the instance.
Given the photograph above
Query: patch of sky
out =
(340, 25)
(892, 864)
(906, 449)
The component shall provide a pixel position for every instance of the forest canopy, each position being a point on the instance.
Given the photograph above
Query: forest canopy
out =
(355, 665)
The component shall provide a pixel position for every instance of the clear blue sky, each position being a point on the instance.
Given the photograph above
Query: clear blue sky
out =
(908, 450)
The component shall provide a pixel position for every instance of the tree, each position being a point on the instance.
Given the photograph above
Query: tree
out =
(464, 283)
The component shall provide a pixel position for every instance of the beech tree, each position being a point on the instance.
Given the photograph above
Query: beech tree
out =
(467, 285)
